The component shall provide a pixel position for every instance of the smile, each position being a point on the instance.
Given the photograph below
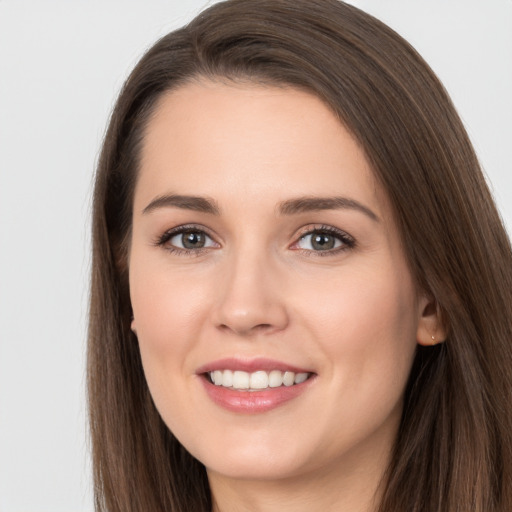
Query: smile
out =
(252, 386)
(256, 381)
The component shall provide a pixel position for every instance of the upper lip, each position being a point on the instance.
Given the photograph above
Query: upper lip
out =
(250, 365)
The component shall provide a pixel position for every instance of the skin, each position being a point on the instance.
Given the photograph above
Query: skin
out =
(352, 315)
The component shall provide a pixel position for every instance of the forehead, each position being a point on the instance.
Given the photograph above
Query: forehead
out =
(253, 142)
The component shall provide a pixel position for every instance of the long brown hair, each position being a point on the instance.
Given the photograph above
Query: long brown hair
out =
(454, 448)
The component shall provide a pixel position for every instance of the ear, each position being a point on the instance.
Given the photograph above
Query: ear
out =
(132, 326)
(431, 328)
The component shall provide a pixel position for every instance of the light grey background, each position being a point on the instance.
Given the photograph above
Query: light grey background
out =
(61, 66)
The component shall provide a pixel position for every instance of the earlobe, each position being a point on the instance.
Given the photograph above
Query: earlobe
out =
(132, 326)
(431, 328)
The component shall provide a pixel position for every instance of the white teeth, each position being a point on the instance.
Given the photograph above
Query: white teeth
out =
(301, 377)
(288, 378)
(275, 379)
(217, 378)
(240, 380)
(227, 378)
(259, 380)
(256, 380)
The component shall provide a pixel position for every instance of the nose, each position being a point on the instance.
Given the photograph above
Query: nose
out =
(251, 297)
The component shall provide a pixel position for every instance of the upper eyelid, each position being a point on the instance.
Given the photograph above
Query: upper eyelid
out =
(316, 228)
(348, 241)
(300, 233)
(189, 227)
(171, 232)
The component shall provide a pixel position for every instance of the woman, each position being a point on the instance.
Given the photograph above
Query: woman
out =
(301, 288)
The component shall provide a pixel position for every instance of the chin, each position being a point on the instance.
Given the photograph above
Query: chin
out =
(252, 459)
(256, 469)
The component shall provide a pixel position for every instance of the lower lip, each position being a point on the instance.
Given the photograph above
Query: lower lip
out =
(253, 402)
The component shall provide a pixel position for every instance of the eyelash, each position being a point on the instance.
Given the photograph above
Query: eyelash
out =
(188, 228)
(347, 242)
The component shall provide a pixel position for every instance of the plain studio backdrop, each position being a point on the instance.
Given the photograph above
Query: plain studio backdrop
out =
(61, 67)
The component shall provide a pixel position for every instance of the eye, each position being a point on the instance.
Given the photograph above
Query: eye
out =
(324, 239)
(191, 240)
(186, 239)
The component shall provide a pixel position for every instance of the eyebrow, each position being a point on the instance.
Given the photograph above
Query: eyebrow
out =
(289, 207)
(198, 204)
(311, 204)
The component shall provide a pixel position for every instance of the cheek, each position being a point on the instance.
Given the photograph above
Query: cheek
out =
(368, 320)
(366, 331)
(167, 317)
(166, 306)
(381, 312)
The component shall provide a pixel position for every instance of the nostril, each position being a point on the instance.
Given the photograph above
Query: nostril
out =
(249, 330)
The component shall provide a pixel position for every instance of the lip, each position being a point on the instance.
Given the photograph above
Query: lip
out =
(252, 402)
(250, 365)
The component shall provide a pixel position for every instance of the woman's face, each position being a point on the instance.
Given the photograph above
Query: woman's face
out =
(264, 253)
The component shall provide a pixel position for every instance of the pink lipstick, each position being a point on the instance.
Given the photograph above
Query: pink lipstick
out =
(253, 385)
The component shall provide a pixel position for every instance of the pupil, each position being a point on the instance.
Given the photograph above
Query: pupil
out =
(322, 242)
(193, 240)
